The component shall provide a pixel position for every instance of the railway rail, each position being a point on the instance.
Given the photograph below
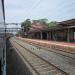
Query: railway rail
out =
(37, 63)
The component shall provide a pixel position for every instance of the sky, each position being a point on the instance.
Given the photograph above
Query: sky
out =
(54, 10)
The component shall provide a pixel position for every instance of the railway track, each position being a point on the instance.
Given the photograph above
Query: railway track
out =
(38, 64)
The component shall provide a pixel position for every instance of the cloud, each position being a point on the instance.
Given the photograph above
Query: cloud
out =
(19, 10)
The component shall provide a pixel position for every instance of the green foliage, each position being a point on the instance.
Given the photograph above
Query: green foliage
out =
(51, 24)
(41, 21)
(26, 25)
(35, 21)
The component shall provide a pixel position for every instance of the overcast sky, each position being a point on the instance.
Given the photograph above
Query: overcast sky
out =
(56, 10)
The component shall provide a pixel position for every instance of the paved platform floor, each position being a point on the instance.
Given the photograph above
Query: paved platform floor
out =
(61, 46)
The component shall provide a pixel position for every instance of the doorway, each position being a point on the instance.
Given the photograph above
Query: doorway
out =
(44, 35)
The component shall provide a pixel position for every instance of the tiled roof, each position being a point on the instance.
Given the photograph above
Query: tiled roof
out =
(68, 22)
(61, 25)
(37, 27)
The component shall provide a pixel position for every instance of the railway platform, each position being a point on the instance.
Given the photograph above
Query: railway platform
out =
(61, 46)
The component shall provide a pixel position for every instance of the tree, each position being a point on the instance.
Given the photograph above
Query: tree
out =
(53, 23)
(26, 25)
(41, 21)
(35, 21)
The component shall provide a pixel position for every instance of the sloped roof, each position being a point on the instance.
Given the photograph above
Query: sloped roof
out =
(37, 27)
(61, 25)
(67, 22)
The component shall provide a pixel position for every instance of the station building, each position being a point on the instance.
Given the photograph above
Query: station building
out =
(63, 31)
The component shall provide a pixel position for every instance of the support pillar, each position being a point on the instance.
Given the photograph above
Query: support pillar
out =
(68, 35)
(41, 35)
(47, 35)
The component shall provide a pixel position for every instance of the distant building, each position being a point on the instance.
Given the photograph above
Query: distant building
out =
(63, 31)
(68, 30)
(36, 31)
